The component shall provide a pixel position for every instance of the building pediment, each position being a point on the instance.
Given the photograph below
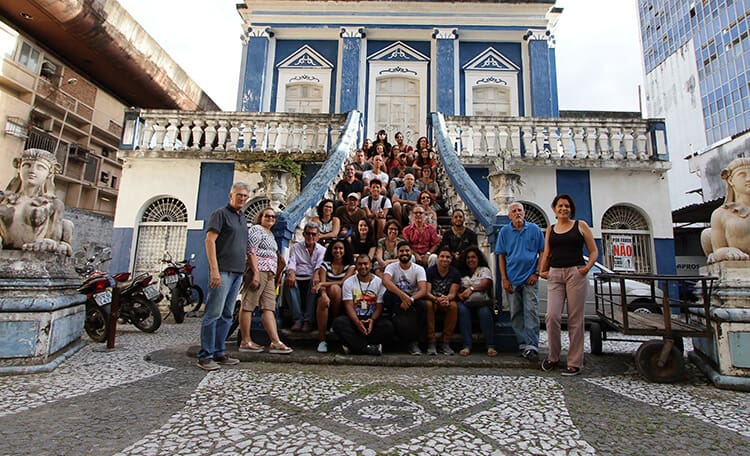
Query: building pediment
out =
(305, 57)
(490, 60)
(398, 52)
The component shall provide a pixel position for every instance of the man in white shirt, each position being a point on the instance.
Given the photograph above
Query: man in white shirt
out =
(377, 207)
(406, 285)
(376, 173)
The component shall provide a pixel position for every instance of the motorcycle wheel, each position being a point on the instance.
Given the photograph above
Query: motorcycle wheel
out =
(96, 324)
(196, 297)
(177, 306)
(144, 314)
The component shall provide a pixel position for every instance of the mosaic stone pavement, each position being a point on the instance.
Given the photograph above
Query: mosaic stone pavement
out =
(267, 409)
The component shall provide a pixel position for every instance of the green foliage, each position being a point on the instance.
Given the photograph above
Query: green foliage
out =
(285, 163)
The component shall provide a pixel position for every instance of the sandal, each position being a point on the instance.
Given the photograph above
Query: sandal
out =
(464, 352)
(279, 349)
(252, 347)
(491, 352)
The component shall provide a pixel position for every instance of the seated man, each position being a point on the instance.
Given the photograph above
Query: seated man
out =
(348, 185)
(406, 286)
(404, 199)
(423, 238)
(360, 163)
(361, 328)
(378, 172)
(458, 237)
(377, 207)
(304, 259)
(443, 284)
(350, 215)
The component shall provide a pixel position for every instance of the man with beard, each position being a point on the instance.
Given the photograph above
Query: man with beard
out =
(518, 246)
(443, 283)
(350, 215)
(458, 238)
(361, 328)
(348, 185)
(406, 286)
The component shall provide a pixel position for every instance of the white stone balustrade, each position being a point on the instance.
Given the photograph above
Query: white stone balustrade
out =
(585, 142)
(168, 131)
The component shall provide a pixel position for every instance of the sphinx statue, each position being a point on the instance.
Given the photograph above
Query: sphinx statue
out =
(729, 235)
(31, 215)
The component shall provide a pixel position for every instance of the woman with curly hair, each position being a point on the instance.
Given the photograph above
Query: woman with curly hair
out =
(329, 224)
(475, 298)
(338, 265)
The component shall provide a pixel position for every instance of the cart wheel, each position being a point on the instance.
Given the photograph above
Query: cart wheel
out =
(647, 359)
(595, 335)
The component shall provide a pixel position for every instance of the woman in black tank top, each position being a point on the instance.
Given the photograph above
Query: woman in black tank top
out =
(566, 271)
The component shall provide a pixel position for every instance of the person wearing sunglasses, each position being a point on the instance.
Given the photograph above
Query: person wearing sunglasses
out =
(304, 259)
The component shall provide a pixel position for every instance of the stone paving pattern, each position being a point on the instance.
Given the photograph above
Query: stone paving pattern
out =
(146, 397)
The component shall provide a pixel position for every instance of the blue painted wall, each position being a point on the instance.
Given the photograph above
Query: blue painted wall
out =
(479, 176)
(446, 90)
(553, 82)
(213, 192)
(577, 184)
(468, 51)
(541, 89)
(122, 243)
(257, 54)
(285, 48)
(350, 60)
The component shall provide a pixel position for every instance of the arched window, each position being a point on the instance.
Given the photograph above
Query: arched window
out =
(253, 208)
(626, 240)
(535, 215)
(163, 226)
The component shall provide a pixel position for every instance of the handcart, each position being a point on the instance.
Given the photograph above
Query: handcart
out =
(682, 315)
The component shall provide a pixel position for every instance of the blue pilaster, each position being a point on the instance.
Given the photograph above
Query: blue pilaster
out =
(553, 81)
(577, 184)
(541, 84)
(350, 64)
(256, 58)
(445, 41)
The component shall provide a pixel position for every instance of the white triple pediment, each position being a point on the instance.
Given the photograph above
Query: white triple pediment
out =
(305, 57)
(490, 60)
(398, 52)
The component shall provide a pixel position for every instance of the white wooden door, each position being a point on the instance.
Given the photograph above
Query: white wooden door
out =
(491, 101)
(397, 104)
(304, 98)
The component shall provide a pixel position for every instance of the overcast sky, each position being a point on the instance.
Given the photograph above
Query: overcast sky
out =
(599, 64)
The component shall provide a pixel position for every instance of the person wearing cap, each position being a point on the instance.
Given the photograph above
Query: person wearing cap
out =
(350, 214)
(377, 207)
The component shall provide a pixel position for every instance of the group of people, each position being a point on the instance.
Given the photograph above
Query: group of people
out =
(375, 286)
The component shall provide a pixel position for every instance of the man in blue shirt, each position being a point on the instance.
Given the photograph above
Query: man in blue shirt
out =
(518, 247)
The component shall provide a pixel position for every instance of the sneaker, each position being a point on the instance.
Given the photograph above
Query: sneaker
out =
(432, 349)
(306, 327)
(414, 349)
(323, 347)
(548, 365)
(446, 349)
(373, 350)
(208, 364)
(570, 371)
(226, 360)
(345, 349)
(531, 355)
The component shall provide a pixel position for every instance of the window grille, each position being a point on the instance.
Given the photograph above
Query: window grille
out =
(624, 220)
(535, 215)
(166, 209)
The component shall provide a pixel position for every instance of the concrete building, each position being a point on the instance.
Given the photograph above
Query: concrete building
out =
(478, 78)
(69, 70)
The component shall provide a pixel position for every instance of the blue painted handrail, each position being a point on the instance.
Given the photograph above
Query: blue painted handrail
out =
(482, 209)
(319, 184)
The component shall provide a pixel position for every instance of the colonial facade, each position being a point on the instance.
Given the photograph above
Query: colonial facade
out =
(477, 78)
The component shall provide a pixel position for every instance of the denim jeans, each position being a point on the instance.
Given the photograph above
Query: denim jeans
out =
(218, 315)
(300, 313)
(524, 314)
(486, 323)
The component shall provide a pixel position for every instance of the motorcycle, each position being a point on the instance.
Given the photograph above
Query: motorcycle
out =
(137, 299)
(182, 292)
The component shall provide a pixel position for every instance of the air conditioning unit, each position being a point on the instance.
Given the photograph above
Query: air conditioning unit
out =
(104, 177)
(49, 69)
(77, 151)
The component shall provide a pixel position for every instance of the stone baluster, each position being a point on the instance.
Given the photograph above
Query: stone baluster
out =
(222, 133)
(475, 140)
(322, 139)
(591, 142)
(454, 133)
(184, 135)
(246, 135)
(148, 133)
(234, 136)
(527, 137)
(282, 134)
(197, 134)
(170, 137)
(603, 140)
(570, 148)
(210, 135)
(492, 144)
(159, 132)
(272, 133)
(540, 140)
(580, 144)
(616, 143)
(515, 141)
(642, 145)
(503, 141)
(628, 140)
(556, 147)
(261, 136)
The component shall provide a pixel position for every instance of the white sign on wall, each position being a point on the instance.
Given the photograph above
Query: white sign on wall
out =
(622, 253)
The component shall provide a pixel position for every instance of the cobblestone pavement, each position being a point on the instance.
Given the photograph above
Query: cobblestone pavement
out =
(147, 398)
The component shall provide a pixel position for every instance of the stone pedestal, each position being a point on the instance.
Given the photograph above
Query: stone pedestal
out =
(41, 313)
(276, 184)
(725, 357)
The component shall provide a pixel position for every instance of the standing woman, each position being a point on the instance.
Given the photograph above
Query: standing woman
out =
(565, 269)
(338, 265)
(263, 261)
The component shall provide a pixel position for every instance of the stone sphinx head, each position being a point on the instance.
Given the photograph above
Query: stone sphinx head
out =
(36, 173)
(737, 176)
